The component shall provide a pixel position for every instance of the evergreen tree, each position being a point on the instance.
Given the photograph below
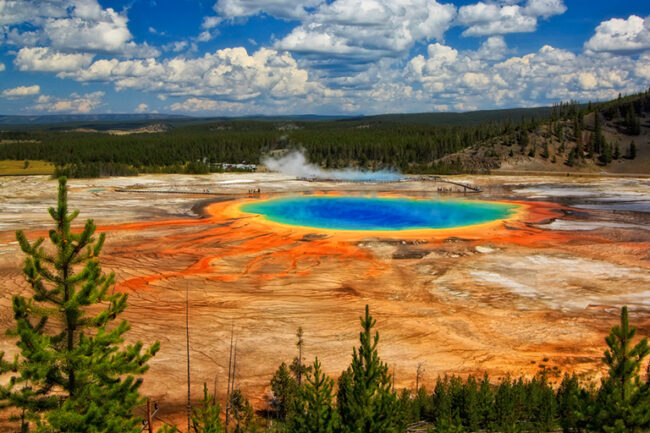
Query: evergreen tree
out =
(545, 153)
(568, 403)
(368, 403)
(240, 410)
(285, 390)
(297, 367)
(617, 151)
(74, 374)
(623, 403)
(631, 153)
(598, 138)
(315, 412)
(205, 418)
(485, 402)
(606, 153)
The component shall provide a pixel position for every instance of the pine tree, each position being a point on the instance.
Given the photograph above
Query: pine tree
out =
(623, 403)
(240, 410)
(631, 153)
(545, 153)
(285, 390)
(297, 367)
(367, 403)
(205, 418)
(569, 404)
(74, 373)
(314, 410)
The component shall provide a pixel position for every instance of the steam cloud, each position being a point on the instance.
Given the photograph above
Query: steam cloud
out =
(295, 164)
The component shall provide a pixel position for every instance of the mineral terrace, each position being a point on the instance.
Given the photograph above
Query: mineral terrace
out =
(539, 290)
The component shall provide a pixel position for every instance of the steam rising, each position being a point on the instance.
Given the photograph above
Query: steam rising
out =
(295, 164)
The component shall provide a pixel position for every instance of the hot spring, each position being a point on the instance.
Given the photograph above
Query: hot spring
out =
(378, 213)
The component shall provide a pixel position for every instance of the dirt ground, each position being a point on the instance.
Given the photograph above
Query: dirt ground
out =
(542, 288)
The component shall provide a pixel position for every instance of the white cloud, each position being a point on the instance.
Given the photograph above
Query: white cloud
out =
(495, 19)
(142, 108)
(366, 31)
(621, 36)
(21, 91)
(19, 11)
(75, 104)
(70, 25)
(176, 46)
(46, 59)
(492, 19)
(2, 67)
(447, 77)
(195, 104)
(494, 48)
(545, 8)
(231, 74)
(211, 22)
(286, 9)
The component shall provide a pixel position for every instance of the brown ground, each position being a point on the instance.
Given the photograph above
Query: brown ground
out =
(499, 299)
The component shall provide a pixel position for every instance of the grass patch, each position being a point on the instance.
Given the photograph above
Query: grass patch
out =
(10, 167)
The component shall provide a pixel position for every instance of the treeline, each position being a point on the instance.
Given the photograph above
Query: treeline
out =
(365, 400)
(79, 376)
(364, 143)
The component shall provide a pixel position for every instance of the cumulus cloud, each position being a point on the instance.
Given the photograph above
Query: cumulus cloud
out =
(195, 104)
(366, 31)
(47, 59)
(70, 25)
(285, 9)
(21, 91)
(142, 108)
(494, 48)
(495, 19)
(231, 74)
(449, 77)
(2, 67)
(75, 104)
(621, 36)
(211, 22)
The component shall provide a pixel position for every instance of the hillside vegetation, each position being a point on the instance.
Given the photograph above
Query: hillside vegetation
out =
(611, 136)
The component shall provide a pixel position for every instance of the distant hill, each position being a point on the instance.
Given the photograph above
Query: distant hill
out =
(469, 118)
(77, 118)
(124, 121)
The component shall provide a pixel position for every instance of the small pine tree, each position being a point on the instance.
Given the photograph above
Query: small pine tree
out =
(240, 410)
(617, 151)
(568, 404)
(285, 390)
(76, 375)
(314, 410)
(545, 153)
(367, 403)
(205, 418)
(631, 153)
(297, 367)
(623, 403)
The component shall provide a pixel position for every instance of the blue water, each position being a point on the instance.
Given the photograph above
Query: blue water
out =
(372, 213)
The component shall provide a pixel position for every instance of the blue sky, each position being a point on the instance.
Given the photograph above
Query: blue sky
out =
(242, 57)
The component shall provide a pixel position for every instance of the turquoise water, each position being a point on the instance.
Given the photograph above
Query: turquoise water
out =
(372, 213)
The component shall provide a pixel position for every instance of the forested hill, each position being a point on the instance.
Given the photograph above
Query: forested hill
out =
(60, 120)
(566, 137)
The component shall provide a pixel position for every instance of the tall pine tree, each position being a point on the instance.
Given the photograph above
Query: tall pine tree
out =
(367, 403)
(623, 403)
(206, 417)
(74, 372)
(315, 412)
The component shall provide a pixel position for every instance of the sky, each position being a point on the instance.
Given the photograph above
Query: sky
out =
(334, 57)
